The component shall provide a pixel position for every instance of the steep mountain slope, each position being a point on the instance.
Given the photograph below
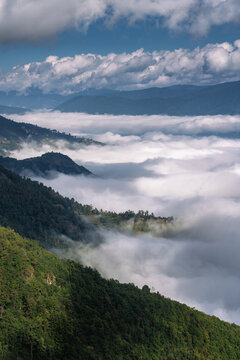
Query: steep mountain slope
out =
(38, 212)
(13, 134)
(45, 165)
(57, 309)
(178, 100)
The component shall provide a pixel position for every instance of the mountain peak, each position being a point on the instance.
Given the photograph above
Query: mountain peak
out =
(45, 165)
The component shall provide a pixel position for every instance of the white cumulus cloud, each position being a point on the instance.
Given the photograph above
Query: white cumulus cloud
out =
(139, 69)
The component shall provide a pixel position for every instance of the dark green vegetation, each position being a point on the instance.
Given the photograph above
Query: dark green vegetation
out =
(57, 309)
(175, 100)
(45, 165)
(11, 110)
(13, 135)
(38, 212)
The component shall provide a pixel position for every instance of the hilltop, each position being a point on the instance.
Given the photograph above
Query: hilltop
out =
(45, 165)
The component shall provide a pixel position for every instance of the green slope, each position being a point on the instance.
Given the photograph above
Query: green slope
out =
(38, 212)
(57, 309)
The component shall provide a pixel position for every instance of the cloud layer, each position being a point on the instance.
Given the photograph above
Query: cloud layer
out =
(159, 162)
(211, 64)
(113, 129)
(187, 167)
(27, 20)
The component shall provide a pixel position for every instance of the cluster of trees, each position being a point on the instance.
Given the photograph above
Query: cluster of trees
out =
(58, 309)
(128, 220)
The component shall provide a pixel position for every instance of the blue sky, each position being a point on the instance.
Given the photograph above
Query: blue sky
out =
(120, 37)
(31, 32)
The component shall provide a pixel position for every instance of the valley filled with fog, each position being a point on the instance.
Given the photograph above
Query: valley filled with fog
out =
(185, 167)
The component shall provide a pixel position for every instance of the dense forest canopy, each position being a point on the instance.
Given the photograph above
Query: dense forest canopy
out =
(57, 309)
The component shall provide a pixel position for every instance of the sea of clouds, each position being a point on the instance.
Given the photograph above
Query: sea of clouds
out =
(186, 167)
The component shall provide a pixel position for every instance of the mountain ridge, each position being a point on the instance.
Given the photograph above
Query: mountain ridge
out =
(174, 101)
(32, 99)
(13, 134)
(45, 165)
(9, 110)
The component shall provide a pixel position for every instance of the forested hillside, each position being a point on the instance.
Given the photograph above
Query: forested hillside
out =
(14, 134)
(38, 212)
(57, 309)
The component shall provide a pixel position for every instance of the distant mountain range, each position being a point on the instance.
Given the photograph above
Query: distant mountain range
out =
(179, 100)
(14, 134)
(45, 165)
(13, 102)
(8, 110)
(32, 99)
(175, 100)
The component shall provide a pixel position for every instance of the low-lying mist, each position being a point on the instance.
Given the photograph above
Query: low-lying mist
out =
(80, 123)
(186, 167)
